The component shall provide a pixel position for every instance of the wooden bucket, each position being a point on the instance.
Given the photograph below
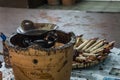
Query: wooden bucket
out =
(68, 2)
(35, 63)
(53, 2)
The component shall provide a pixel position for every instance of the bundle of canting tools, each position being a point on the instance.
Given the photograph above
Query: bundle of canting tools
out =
(90, 52)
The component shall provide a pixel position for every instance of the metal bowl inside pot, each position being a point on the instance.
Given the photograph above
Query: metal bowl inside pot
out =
(28, 25)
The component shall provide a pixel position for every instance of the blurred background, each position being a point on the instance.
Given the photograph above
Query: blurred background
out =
(83, 5)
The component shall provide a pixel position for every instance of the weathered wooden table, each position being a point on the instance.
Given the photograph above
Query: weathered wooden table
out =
(102, 25)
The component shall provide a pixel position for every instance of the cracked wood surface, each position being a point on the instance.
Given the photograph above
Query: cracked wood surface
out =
(102, 25)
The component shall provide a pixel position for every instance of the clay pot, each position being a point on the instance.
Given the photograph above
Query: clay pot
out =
(68, 2)
(37, 63)
(53, 2)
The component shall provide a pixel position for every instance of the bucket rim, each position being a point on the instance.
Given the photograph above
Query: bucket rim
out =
(36, 47)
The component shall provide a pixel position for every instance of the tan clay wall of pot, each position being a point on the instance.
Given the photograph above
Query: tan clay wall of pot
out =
(34, 64)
